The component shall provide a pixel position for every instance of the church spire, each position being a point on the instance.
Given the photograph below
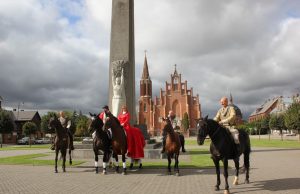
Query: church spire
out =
(231, 99)
(145, 74)
(175, 71)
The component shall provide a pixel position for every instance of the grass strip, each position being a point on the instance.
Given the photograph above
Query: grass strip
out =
(31, 159)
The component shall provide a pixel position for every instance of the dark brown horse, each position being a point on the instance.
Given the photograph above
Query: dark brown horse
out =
(223, 148)
(172, 146)
(61, 142)
(101, 141)
(118, 142)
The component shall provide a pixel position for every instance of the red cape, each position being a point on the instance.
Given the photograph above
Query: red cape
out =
(135, 138)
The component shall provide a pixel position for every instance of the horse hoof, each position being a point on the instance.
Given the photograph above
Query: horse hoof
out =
(177, 174)
(217, 188)
(70, 162)
(246, 181)
(124, 173)
(64, 170)
(169, 173)
(104, 173)
(56, 171)
(226, 192)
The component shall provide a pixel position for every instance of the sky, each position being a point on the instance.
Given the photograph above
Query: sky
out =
(54, 54)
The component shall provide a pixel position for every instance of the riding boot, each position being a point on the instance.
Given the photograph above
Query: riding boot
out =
(163, 144)
(131, 166)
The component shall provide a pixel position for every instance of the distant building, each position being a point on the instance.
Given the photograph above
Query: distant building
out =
(176, 97)
(276, 105)
(20, 118)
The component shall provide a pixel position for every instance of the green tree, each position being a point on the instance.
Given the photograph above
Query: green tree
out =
(185, 121)
(6, 123)
(277, 122)
(45, 122)
(82, 126)
(29, 128)
(292, 117)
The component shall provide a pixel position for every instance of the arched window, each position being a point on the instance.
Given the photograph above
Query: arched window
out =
(145, 108)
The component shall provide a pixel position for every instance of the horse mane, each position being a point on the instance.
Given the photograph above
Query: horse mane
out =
(59, 129)
(220, 137)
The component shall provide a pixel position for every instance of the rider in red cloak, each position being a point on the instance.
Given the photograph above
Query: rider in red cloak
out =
(135, 138)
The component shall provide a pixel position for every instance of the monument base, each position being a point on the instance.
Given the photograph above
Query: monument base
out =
(151, 151)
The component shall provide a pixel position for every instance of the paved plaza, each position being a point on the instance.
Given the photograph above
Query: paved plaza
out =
(272, 171)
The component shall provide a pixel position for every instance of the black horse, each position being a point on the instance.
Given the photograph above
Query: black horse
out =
(101, 141)
(61, 142)
(223, 148)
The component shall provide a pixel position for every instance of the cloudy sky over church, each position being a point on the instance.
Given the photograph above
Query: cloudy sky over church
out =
(54, 54)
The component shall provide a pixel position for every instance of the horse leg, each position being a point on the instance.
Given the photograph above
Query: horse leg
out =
(237, 166)
(96, 161)
(105, 160)
(56, 158)
(64, 154)
(124, 164)
(217, 166)
(225, 162)
(169, 164)
(116, 162)
(247, 166)
(176, 164)
(70, 156)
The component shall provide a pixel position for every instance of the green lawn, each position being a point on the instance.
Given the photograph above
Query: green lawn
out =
(199, 159)
(32, 160)
(275, 143)
(259, 143)
(25, 147)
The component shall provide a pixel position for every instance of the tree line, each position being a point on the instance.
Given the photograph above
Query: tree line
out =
(289, 120)
(79, 127)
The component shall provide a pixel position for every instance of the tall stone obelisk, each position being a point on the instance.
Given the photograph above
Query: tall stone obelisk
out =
(122, 54)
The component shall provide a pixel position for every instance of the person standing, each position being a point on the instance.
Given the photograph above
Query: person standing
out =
(119, 97)
(135, 138)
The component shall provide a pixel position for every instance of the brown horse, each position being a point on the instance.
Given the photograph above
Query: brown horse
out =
(118, 142)
(172, 146)
(61, 142)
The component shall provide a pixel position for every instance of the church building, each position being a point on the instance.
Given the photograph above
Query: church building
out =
(176, 97)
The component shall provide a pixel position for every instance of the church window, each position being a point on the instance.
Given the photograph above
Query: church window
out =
(145, 108)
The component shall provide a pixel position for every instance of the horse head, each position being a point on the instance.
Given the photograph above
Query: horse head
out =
(202, 128)
(96, 122)
(53, 123)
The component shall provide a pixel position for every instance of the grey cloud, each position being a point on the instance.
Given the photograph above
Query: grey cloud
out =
(244, 47)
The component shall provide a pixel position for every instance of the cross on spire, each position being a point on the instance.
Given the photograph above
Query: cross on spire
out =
(175, 72)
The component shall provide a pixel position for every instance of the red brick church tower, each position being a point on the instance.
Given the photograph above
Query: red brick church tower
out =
(176, 97)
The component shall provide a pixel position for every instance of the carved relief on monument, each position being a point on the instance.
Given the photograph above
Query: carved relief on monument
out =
(118, 82)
